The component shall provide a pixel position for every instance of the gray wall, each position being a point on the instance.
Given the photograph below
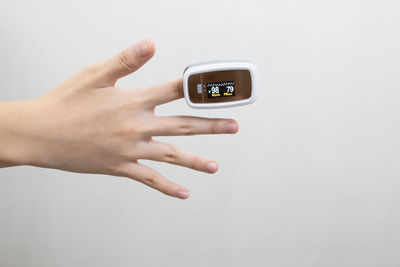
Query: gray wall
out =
(312, 178)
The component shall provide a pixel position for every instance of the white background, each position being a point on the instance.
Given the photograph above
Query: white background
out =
(311, 179)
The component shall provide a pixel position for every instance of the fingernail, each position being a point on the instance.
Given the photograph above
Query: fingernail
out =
(232, 127)
(211, 166)
(183, 194)
(142, 48)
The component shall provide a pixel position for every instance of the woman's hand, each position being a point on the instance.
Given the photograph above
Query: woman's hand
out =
(88, 125)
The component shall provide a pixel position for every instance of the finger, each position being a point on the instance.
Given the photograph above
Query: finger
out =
(188, 125)
(163, 152)
(164, 93)
(128, 61)
(150, 177)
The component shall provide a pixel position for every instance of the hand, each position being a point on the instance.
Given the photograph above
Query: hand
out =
(88, 125)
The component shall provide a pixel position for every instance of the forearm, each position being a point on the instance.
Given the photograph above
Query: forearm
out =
(14, 126)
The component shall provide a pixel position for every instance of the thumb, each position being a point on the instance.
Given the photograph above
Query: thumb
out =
(129, 60)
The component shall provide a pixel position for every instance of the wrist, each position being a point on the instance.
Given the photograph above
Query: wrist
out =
(16, 119)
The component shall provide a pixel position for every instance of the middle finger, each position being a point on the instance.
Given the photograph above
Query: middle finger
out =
(188, 125)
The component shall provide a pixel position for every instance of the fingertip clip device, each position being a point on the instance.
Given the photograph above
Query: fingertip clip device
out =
(220, 84)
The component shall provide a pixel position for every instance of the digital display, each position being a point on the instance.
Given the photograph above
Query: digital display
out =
(220, 89)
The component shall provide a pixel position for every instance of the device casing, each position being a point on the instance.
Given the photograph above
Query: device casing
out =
(214, 66)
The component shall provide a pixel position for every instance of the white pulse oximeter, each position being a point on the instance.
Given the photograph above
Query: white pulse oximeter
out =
(220, 84)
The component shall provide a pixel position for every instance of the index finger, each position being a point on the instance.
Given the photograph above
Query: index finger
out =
(165, 92)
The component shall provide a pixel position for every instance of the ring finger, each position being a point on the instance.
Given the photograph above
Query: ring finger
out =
(164, 152)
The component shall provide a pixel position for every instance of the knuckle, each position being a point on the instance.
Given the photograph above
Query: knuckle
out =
(142, 133)
(150, 181)
(170, 154)
(133, 128)
(125, 62)
(185, 129)
(127, 131)
(127, 152)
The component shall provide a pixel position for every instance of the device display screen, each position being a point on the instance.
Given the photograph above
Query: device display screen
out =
(220, 86)
(220, 89)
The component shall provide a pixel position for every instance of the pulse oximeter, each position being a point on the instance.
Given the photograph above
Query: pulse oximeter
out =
(220, 84)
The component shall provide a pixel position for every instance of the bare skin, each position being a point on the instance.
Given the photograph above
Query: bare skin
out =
(87, 125)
